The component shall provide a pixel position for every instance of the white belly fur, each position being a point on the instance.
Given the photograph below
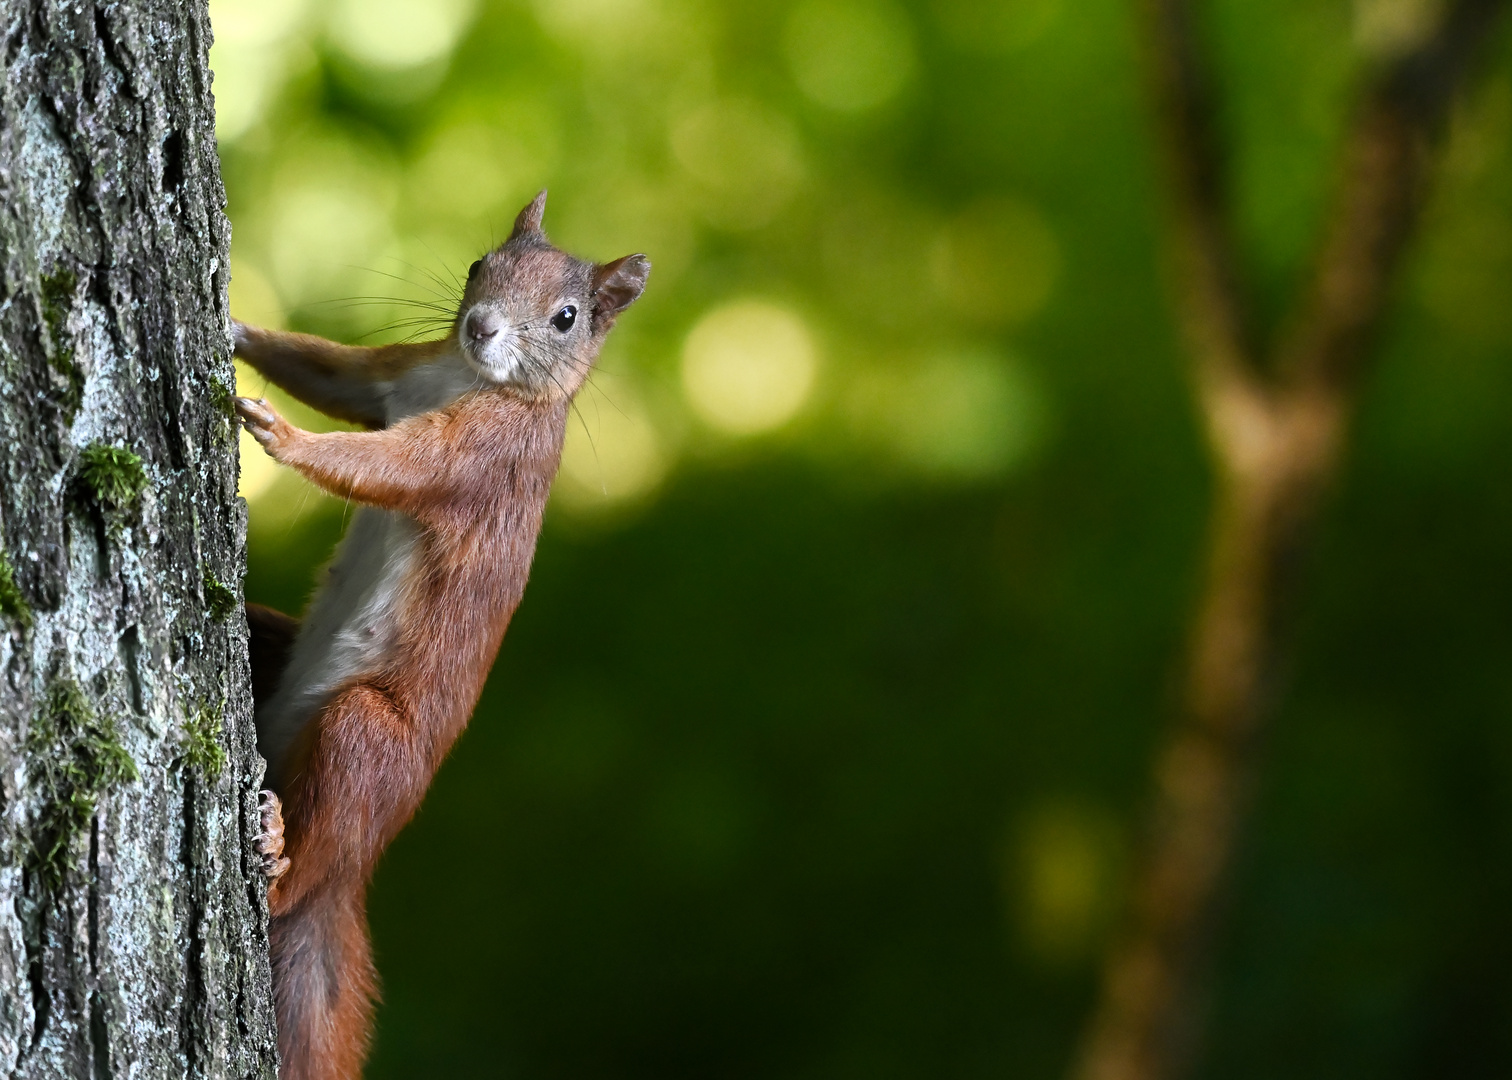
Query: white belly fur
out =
(349, 626)
(351, 622)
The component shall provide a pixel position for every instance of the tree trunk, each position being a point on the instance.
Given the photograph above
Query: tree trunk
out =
(133, 935)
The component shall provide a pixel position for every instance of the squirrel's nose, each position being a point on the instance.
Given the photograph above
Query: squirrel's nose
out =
(482, 324)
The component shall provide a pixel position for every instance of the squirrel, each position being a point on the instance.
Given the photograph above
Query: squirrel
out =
(356, 706)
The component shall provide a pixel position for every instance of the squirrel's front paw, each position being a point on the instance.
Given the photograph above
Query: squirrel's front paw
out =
(270, 841)
(261, 422)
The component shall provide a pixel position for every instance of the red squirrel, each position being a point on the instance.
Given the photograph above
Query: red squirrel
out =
(357, 706)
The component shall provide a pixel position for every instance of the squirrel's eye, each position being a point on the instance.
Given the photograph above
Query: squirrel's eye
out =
(564, 319)
(472, 271)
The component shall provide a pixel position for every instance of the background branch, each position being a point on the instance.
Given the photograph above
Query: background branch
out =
(1275, 425)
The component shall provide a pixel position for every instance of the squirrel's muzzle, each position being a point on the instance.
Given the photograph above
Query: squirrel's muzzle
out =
(482, 323)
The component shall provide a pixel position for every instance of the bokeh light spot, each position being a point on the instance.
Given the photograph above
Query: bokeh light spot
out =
(744, 158)
(253, 298)
(997, 263)
(995, 26)
(399, 33)
(597, 21)
(1062, 870)
(322, 232)
(255, 22)
(244, 79)
(748, 367)
(329, 217)
(849, 55)
(612, 453)
(474, 169)
(970, 414)
(250, 58)
(1391, 27)
(259, 472)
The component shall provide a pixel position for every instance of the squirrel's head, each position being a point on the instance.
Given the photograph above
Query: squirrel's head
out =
(533, 318)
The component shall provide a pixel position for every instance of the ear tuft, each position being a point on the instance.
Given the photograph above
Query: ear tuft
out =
(528, 223)
(618, 284)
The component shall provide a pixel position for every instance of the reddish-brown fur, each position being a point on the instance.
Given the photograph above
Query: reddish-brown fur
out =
(474, 477)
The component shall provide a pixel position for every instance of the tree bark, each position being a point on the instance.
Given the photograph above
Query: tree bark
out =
(133, 934)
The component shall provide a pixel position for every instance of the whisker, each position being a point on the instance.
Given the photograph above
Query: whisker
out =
(431, 319)
(542, 369)
(414, 331)
(590, 384)
(407, 281)
(597, 462)
(386, 301)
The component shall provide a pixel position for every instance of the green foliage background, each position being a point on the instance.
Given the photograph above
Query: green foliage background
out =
(817, 746)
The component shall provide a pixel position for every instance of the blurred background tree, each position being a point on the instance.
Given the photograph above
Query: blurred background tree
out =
(820, 743)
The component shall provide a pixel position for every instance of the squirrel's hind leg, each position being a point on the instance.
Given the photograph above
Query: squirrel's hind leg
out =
(340, 810)
(270, 836)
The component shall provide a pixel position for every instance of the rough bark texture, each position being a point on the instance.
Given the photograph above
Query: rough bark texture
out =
(133, 940)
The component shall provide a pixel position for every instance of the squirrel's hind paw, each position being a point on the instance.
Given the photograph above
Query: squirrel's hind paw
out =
(270, 842)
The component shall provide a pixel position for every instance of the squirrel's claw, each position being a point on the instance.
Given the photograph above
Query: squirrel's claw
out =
(270, 842)
(256, 411)
(258, 418)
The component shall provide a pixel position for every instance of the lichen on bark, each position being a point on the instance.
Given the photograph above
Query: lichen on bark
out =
(133, 935)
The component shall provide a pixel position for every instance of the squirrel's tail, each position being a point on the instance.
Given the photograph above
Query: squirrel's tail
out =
(324, 985)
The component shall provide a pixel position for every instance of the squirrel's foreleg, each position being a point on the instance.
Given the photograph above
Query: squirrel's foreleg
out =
(348, 382)
(412, 466)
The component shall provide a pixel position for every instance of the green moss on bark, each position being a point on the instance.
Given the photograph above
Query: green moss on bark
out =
(204, 732)
(220, 600)
(223, 400)
(75, 756)
(57, 298)
(12, 604)
(113, 476)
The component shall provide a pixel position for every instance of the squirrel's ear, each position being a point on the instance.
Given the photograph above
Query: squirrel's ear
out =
(616, 285)
(529, 221)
